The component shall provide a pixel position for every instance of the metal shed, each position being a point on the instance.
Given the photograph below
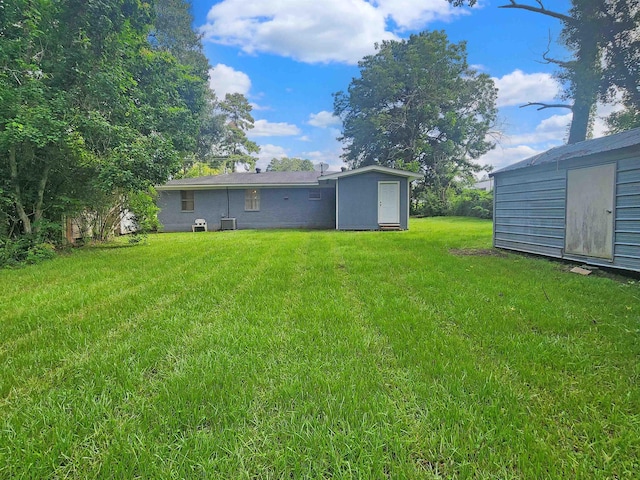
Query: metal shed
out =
(578, 202)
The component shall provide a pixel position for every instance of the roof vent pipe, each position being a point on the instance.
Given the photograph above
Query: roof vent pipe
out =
(258, 170)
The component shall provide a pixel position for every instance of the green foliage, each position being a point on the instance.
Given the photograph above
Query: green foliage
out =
(458, 201)
(429, 204)
(24, 250)
(235, 148)
(200, 169)
(624, 120)
(144, 210)
(287, 164)
(472, 203)
(30, 249)
(418, 102)
(94, 107)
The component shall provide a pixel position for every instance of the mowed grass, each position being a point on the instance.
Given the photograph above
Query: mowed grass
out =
(295, 354)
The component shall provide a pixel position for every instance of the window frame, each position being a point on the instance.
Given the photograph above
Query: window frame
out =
(252, 200)
(187, 197)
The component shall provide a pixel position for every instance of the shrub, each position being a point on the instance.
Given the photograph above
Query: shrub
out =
(472, 203)
(26, 249)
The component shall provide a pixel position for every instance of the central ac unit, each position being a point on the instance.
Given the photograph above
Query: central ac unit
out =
(228, 224)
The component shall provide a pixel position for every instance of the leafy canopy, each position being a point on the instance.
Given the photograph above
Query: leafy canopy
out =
(287, 164)
(91, 107)
(418, 105)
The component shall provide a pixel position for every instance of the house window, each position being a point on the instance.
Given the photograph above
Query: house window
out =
(187, 200)
(315, 195)
(252, 200)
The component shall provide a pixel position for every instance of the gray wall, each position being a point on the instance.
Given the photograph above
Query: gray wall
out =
(279, 208)
(358, 200)
(530, 209)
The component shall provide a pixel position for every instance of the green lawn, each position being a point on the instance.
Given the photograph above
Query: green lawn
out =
(290, 354)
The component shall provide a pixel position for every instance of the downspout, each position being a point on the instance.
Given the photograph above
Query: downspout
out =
(228, 207)
(337, 203)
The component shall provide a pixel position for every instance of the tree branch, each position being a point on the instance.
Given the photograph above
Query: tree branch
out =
(550, 13)
(543, 106)
(548, 59)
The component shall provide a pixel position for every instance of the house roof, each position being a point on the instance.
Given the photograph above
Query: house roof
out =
(618, 141)
(373, 168)
(244, 180)
(273, 179)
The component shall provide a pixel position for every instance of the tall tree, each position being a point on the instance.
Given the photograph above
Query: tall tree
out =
(38, 139)
(621, 71)
(603, 38)
(235, 148)
(287, 164)
(88, 108)
(417, 104)
(172, 32)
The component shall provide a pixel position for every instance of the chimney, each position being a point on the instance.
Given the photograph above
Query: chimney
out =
(258, 170)
(344, 169)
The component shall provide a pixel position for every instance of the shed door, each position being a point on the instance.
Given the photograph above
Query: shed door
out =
(388, 202)
(590, 206)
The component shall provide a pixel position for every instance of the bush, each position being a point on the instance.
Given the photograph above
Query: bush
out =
(462, 203)
(430, 205)
(472, 203)
(27, 249)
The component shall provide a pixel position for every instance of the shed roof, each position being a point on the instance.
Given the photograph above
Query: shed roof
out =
(610, 143)
(245, 179)
(373, 168)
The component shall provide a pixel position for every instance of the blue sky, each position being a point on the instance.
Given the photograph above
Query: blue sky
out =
(288, 57)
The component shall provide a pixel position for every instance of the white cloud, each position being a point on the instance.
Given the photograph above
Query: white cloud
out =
(264, 128)
(224, 79)
(330, 156)
(501, 156)
(413, 14)
(554, 129)
(317, 32)
(323, 119)
(517, 88)
(550, 132)
(308, 31)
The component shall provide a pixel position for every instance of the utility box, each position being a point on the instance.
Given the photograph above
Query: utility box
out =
(228, 224)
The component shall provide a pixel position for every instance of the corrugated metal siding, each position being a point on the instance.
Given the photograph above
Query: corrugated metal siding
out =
(530, 210)
(627, 224)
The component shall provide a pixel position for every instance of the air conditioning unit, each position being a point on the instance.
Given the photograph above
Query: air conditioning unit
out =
(228, 224)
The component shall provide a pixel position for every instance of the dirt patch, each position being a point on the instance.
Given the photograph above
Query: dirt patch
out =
(476, 252)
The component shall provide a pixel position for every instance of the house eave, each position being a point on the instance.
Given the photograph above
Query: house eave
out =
(373, 168)
(193, 186)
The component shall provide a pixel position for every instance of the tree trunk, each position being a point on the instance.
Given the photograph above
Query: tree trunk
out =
(39, 210)
(585, 79)
(579, 128)
(22, 214)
